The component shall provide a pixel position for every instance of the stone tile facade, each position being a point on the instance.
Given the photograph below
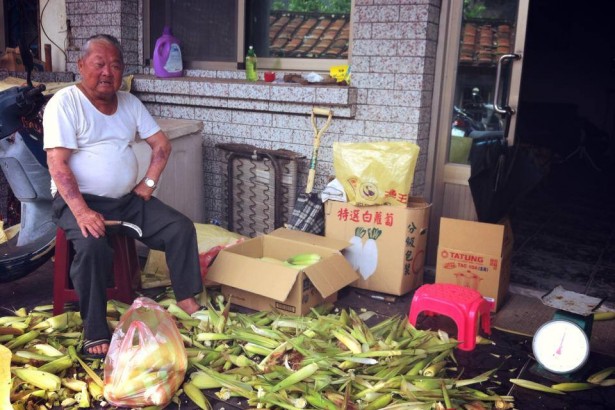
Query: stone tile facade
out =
(393, 51)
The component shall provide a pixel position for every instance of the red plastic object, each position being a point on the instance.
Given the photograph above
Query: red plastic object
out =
(463, 305)
(126, 271)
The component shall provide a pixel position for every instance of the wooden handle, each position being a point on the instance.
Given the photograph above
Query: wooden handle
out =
(310, 181)
(322, 111)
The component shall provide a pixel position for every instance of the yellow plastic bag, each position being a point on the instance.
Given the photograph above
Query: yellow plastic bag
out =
(156, 272)
(147, 360)
(376, 173)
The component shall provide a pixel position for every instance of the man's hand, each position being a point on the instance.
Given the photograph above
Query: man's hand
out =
(143, 191)
(90, 222)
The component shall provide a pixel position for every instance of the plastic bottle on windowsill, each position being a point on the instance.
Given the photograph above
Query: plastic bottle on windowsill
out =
(251, 70)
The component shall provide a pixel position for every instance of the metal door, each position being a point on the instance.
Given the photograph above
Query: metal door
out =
(480, 61)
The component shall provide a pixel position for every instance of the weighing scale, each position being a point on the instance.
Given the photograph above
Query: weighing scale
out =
(561, 345)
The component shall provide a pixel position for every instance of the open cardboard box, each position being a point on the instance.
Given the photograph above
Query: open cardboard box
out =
(394, 237)
(261, 285)
(476, 255)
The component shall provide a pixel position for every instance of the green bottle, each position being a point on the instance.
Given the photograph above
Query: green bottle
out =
(251, 72)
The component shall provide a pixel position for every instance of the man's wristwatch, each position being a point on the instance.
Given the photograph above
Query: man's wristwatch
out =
(150, 183)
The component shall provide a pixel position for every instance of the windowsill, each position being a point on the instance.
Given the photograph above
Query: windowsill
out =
(237, 94)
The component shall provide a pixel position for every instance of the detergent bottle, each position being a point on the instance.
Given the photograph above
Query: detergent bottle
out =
(167, 55)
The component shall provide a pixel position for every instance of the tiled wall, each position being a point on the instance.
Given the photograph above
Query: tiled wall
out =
(392, 59)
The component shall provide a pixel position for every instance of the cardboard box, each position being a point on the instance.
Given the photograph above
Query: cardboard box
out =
(262, 285)
(476, 255)
(398, 248)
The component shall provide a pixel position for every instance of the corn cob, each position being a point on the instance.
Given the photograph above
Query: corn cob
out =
(319, 401)
(68, 402)
(6, 338)
(296, 377)
(10, 331)
(23, 339)
(28, 357)
(433, 369)
(601, 375)
(42, 380)
(535, 386)
(7, 320)
(572, 386)
(196, 396)
(253, 349)
(57, 365)
(604, 316)
(304, 259)
(47, 350)
(75, 385)
(204, 380)
(380, 402)
(347, 340)
(5, 378)
(90, 372)
(83, 399)
(95, 390)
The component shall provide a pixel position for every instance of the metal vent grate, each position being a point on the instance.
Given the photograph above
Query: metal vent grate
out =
(262, 187)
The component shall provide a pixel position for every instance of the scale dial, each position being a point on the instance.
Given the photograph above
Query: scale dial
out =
(560, 346)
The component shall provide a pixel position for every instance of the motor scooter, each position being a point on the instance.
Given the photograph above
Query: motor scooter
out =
(23, 161)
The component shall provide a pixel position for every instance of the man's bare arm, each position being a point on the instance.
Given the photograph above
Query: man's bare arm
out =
(161, 151)
(89, 221)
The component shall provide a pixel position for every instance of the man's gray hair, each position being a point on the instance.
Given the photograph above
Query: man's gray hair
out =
(103, 38)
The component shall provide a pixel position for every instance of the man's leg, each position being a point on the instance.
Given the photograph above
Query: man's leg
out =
(168, 230)
(89, 272)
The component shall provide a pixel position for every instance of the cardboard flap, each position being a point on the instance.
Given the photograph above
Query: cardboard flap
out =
(309, 238)
(471, 236)
(331, 274)
(241, 272)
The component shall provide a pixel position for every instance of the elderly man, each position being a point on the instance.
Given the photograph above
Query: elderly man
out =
(89, 129)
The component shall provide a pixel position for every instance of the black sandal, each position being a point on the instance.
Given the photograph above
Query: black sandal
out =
(88, 344)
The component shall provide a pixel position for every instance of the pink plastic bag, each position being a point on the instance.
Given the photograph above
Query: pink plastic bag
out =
(147, 360)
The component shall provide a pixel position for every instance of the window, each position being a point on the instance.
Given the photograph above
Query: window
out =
(286, 34)
(19, 18)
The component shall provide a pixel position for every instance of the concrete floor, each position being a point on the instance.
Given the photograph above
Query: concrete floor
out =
(511, 353)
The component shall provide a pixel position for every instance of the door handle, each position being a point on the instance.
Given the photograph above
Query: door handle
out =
(496, 94)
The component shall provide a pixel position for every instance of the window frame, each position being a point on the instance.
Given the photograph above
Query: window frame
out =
(264, 63)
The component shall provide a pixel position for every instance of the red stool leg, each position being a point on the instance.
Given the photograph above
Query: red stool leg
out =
(126, 269)
(61, 279)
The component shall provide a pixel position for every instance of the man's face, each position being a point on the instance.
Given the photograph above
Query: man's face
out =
(101, 70)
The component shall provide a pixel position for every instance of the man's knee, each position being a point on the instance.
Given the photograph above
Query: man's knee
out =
(183, 226)
(95, 248)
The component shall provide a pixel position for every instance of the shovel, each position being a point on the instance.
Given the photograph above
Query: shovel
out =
(308, 214)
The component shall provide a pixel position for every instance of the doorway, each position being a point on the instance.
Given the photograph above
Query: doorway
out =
(565, 228)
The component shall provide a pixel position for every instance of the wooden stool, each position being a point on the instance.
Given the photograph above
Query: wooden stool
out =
(463, 305)
(126, 271)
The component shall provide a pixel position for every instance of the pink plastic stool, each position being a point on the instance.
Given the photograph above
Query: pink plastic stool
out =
(463, 305)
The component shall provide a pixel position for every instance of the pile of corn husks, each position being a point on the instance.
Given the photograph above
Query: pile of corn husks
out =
(326, 360)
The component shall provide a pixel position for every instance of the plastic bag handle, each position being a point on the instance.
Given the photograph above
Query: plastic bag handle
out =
(136, 325)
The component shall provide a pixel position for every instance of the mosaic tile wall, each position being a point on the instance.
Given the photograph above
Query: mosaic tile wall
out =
(392, 53)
